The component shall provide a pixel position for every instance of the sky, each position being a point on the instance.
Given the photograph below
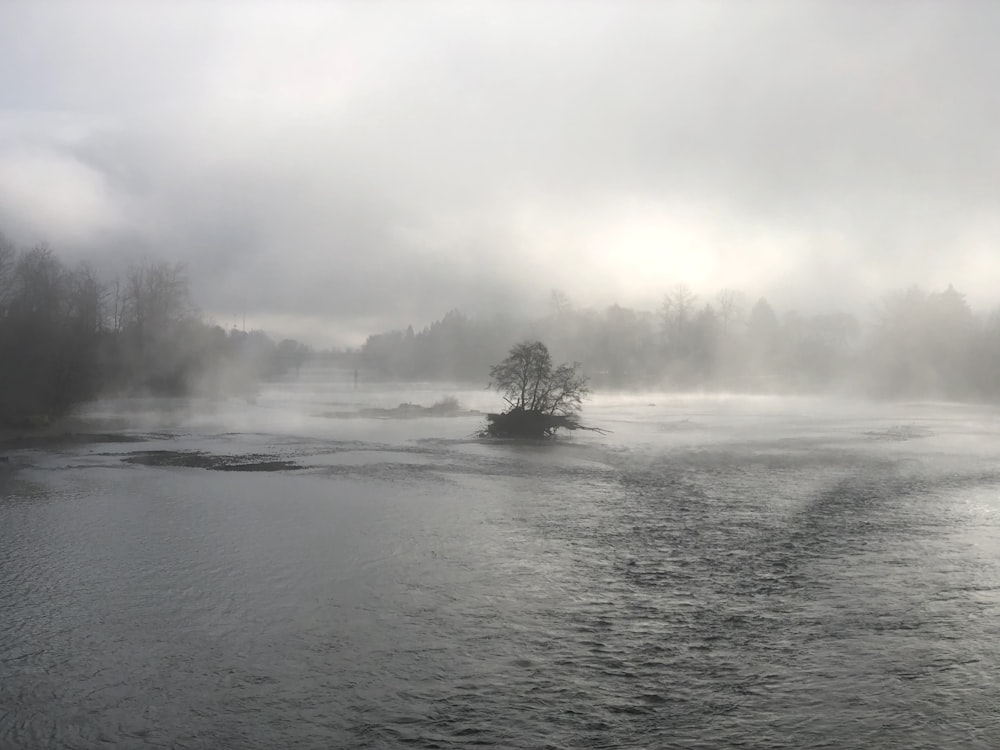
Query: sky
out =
(336, 169)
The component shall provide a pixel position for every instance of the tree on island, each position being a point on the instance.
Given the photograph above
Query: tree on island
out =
(541, 399)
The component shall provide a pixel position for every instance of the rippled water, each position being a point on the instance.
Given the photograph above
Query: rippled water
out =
(716, 572)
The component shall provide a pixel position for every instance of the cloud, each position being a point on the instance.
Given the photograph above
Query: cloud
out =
(375, 164)
(46, 189)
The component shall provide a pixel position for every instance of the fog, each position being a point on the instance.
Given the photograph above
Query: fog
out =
(331, 171)
(260, 261)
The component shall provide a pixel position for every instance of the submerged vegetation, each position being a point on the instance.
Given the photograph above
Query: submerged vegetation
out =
(540, 398)
(448, 406)
(213, 462)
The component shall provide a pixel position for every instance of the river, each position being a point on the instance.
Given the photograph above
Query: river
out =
(717, 571)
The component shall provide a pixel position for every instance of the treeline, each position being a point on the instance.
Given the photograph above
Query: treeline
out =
(67, 336)
(917, 344)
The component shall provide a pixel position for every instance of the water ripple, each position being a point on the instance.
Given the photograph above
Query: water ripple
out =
(839, 592)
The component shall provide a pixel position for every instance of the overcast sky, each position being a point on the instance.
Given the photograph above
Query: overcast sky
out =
(340, 168)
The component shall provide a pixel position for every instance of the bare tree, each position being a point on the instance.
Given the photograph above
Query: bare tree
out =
(730, 305)
(38, 284)
(8, 260)
(117, 294)
(678, 308)
(540, 398)
(87, 297)
(156, 296)
(559, 303)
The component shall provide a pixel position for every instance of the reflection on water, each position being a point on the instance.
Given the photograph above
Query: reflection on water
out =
(714, 573)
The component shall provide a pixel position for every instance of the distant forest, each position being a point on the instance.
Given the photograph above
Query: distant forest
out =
(918, 345)
(67, 336)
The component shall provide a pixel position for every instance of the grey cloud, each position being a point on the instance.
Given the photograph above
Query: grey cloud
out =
(373, 163)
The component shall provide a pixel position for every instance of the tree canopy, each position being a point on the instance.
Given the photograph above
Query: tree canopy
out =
(540, 398)
(66, 337)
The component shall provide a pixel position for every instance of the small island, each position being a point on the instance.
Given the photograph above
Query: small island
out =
(541, 399)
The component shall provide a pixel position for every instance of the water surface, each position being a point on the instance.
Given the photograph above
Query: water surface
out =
(716, 572)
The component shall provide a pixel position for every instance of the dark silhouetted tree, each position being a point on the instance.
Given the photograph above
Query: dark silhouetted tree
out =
(50, 318)
(540, 398)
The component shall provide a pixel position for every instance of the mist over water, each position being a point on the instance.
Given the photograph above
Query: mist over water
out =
(225, 523)
(717, 571)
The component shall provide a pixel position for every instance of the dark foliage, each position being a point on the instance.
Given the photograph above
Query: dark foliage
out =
(541, 398)
(65, 337)
(520, 423)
